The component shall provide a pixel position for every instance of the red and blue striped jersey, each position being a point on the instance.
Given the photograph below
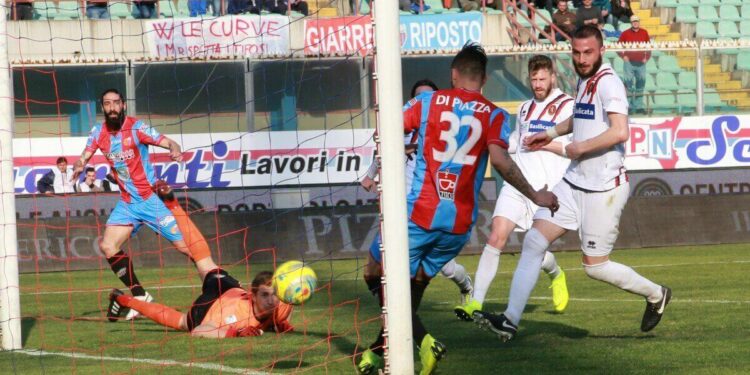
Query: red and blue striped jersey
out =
(127, 154)
(455, 128)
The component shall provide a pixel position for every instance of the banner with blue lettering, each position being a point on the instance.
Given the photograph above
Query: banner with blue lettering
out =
(688, 143)
(440, 31)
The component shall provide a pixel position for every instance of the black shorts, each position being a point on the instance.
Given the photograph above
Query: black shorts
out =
(216, 283)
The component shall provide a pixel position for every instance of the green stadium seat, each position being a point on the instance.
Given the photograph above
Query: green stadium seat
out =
(664, 102)
(667, 3)
(436, 6)
(687, 101)
(743, 61)
(745, 11)
(67, 9)
(711, 2)
(745, 27)
(711, 99)
(706, 30)
(182, 8)
(686, 14)
(728, 29)
(688, 80)
(623, 26)
(667, 81)
(668, 63)
(168, 9)
(708, 13)
(618, 65)
(650, 83)
(732, 2)
(119, 10)
(651, 66)
(44, 10)
(690, 3)
(729, 13)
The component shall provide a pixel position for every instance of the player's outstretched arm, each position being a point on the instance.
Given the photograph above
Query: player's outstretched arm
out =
(502, 162)
(80, 164)
(541, 139)
(175, 151)
(209, 331)
(617, 133)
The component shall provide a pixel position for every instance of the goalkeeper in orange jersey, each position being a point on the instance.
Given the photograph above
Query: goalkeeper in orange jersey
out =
(224, 309)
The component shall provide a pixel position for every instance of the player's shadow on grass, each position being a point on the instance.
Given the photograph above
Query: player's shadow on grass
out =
(531, 328)
(27, 324)
(634, 336)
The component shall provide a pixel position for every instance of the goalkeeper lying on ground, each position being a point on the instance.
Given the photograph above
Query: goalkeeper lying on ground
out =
(224, 309)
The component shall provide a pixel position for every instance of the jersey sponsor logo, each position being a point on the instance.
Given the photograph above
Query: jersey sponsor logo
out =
(446, 182)
(120, 156)
(536, 126)
(585, 111)
(459, 105)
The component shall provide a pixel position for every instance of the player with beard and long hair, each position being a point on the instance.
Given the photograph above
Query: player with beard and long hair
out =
(513, 211)
(124, 141)
(592, 193)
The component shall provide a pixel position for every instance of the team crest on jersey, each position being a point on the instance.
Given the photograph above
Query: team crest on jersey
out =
(552, 109)
(126, 142)
(446, 184)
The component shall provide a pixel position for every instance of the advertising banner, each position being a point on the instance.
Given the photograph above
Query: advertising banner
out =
(221, 160)
(224, 36)
(343, 35)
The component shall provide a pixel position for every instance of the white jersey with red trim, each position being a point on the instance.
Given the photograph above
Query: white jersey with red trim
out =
(541, 167)
(601, 93)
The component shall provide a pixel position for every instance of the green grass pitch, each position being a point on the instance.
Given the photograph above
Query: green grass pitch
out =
(705, 329)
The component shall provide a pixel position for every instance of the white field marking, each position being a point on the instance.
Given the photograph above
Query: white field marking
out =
(159, 362)
(673, 300)
(353, 279)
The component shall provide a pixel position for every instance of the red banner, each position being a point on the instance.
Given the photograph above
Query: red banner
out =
(344, 36)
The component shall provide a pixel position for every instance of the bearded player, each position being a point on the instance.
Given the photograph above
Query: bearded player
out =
(592, 193)
(513, 211)
(125, 142)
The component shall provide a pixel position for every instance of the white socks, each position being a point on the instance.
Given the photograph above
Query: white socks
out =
(549, 265)
(489, 262)
(624, 278)
(526, 275)
(457, 273)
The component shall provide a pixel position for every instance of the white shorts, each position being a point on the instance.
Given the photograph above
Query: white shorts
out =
(514, 206)
(596, 215)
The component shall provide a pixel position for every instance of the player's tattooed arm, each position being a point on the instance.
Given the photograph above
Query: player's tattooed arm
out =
(502, 162)
(175, 151)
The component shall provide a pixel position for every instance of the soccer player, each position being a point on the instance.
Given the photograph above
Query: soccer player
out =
(592, 194)
(457, 130)
(224, 309)
(124, 141)
(548, 107)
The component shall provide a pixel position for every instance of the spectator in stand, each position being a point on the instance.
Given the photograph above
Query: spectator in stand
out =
(58, 180)
(90, 183)
(606, 8)
(144, 9)
(621, 11)
(97, 10)
(635, 63)
(564, 19)
(110, 183)
(588, 14)
(300, 6)
(549, 5)
(22, 10)
(216, 8)
(243, 6)
(469, 5)
(197, 7)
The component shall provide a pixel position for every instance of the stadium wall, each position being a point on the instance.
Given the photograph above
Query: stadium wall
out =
(70, 243)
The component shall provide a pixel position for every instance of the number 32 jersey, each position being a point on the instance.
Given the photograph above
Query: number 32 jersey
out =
(455, 129)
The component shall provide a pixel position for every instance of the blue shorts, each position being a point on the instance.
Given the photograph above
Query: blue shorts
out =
(431, 249)
(151, 212)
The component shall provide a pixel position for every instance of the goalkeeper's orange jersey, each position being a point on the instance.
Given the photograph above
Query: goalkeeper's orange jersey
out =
(235, 309)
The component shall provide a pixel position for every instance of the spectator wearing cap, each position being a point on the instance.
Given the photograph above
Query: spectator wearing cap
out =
(634, 73)
(621, 12)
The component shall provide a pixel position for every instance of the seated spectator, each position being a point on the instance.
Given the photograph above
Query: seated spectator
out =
(275, 6)
(110, 183)
(564, 19)
(58, 180)
(606, 8)
(300, 6)
(589, 15)
(90, 183)
(469, 5)
(197, 7)
(242, 7)
(22, 10)
(97, 10)
(144, 9)
(621, 11)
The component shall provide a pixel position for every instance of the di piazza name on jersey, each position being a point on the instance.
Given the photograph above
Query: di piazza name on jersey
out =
(456, 103)
(585, 111)
(120, 156)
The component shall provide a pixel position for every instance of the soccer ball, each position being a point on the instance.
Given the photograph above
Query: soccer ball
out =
(294, 283)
